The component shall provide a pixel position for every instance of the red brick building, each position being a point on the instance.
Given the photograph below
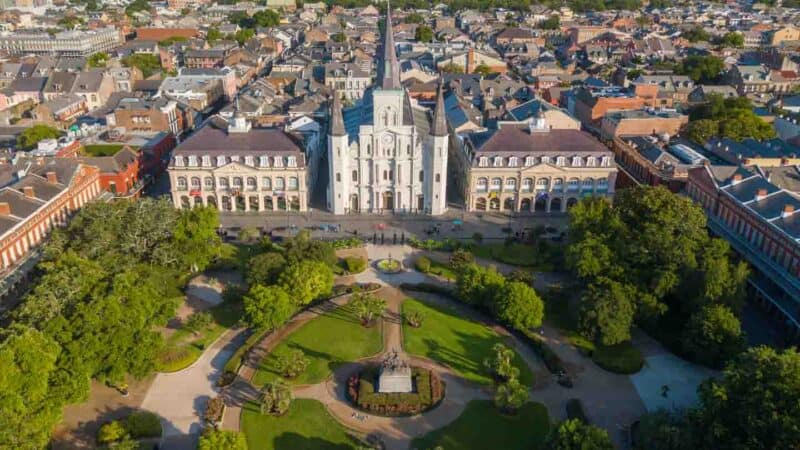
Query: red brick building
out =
(40, 194)
(120, 173)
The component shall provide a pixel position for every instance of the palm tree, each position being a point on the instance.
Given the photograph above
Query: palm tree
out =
(367, 306)
(510, 396)
(275, 398)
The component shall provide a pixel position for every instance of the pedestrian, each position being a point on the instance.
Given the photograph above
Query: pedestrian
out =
(664, 391)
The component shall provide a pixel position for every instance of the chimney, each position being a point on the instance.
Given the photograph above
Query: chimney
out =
(737, 178)
(5, 209)
(788, 210)
(52, 178)
(28, 191)
(761, 193)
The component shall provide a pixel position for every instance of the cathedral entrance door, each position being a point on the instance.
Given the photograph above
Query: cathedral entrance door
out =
(388, 201)
(354, 203)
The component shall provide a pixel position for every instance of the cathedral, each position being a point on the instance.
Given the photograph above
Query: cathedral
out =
(386, 153)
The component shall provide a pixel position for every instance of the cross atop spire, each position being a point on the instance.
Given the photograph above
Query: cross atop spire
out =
(439, 118)
(391, 68)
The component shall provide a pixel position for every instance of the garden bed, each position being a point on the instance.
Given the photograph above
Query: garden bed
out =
(428, 393)
(389, 266)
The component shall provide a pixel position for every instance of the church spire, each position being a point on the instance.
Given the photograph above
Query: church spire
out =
(337, 121)
(439, 119)
(391, 68)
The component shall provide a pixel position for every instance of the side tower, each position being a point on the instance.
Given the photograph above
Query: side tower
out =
(338, 160)
(436, 160)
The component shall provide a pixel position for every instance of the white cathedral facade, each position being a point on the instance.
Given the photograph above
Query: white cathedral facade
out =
(386, 153)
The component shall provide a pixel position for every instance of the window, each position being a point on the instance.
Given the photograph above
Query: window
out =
(293, 184)
(220, 160)
(573, 184)
(291, 161)
(421, 176)
(281, 185)
(237, 182)
(542, 184)
(266, 183)
(251, 184)
(511, 184)
(591, 161)
(561, 161)
(606, 161)
(248, 161)
(545, 160)
(355, 176)
(497, 183)
(206, 161)
(588, 184)
(498, 161)
(513, 161)
(181, 183)
(263, 161)
(195, 182)
(223, 183)
(577, 161)
(482, 162)
(529, 161)
(408, 150)
(558, 184)
(234, 158)
(338, 177)
(438, 178)
(209, 183)
(602, 184)
(482, 184)
(277, 161)
(527, 184)
(179, 161)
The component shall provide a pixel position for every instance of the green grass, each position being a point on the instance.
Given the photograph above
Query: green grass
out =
(103, 149)
(540, 257)
(442, 270)
(482, 427)
(327, 341)
(307, 426)
(621, 358)
(459, 343)
(183, 347)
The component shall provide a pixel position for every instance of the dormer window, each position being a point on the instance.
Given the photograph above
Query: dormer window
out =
(179, 161)
(263, 161)
(561, 161)
(220, 161)
(545, 160)
(498, 161)
(206, 161)
(291, 161)
(277, 161)
(192, 161)
(513, 161)
(529, 161)
(483, 162)
(577, 161)
(234, 158)
(591, 161)
(606, 161)
(248, 161)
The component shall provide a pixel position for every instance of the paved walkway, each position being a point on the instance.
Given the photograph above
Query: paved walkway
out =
(179, 398)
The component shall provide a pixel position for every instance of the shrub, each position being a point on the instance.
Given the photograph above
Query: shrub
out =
(550, 358)
(460, 258)
(199, 321)
(575, 410)
(111, 432)
(415, 318)
(233, 293)
(354, 264)
(275, 398)
(143, 424)
(621, 358)
(423, 264)
(341, 244)
(236, 360)
(212, 439)
(344, 289)
(214, 409)
(292, 364)
(428, 287)
(429, 392)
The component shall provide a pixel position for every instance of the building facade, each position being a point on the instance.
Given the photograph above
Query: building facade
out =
(387, 154)
(234, 167)
(65, 43)
(535, 169)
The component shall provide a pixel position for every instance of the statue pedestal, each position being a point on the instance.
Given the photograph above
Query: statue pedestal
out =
(395, 379)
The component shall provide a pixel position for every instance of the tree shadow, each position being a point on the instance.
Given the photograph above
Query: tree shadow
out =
(296, 441)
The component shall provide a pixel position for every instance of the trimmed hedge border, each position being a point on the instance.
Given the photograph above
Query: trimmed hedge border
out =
(430, 288)
(623, 359)
(429, 393)
(550, 358)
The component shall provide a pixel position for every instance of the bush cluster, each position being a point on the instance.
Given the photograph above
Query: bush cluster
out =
(344, 289)
(445, 245)
(423, 264)
(550, 358)
(139, 425)
(355, 264)
(341, 244)
(428, 287)
(428, 386)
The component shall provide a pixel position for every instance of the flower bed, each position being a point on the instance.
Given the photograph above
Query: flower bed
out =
(389, 266)
(428, 392)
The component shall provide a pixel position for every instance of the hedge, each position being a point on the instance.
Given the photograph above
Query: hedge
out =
(445, 245)
(429, 287)
(622, 358)
(341, 244)
(429, 392)
(143, 424)
(575, 410)
(237, 359)
(355, 264)
(550, 358)
(423, 264)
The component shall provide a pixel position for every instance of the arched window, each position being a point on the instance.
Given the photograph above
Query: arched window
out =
(355, 176)
(209, 182)
(602, 184)
(558, 185)
(527, 184)
(251, 184)
(511, 184)
(237, 182)
(266, 183)
(223, 183)
(293, 184)
(573, 184)
(195, 182)
(482, 184)
(181, 183)
(587, 184)
(542, 184)
(280, 184)
(497, 184)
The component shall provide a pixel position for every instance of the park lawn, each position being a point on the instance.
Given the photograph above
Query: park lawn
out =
(459, 343)
(184, 347)
(442, 270)
(481, 426)
(328, 341)
(307, 426)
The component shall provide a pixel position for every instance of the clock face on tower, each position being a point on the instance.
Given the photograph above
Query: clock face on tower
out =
(387, 139)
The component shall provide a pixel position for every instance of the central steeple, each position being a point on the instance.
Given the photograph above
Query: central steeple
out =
(391, 68)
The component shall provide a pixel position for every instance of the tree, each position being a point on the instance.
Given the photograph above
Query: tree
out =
(266, 18)
(451, 67)
(551, 23)
(483, 69)
(112, 432)
(607, 311)
(521, 275)
(268, 307)
(731, 117)
(367, 306)
(99, 59)
(460, 258)
(244, 35)
(732, 39)
(213, 35)
(696, 34)
(510, 396)
(754, 405)
(713, 336)
(478, 285)
(501, 365)
(339, 37)
(572, 434)
(265, 268)
(301, 247)
(634, 74)
(423, 33)
(292, 364)
(702, 130)
(664, 430)
(415, 17)
(213, 439)
(147, 63)
(518, 306)
(31, 136)
(195, 239)
(199, 321)
(28, 408)
(703, 69)
(275, 398)
(307, 280)
(414, 318)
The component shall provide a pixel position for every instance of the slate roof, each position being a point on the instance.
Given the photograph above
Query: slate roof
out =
(518, 141)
